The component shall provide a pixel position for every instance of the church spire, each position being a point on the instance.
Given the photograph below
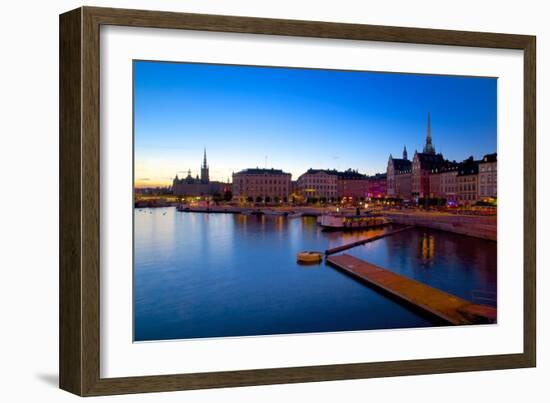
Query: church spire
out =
(204, 169)
(204, 163)
(429, 148)
(405, 156)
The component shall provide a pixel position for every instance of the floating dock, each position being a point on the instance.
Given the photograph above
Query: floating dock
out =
(447, 307)
(365, 240)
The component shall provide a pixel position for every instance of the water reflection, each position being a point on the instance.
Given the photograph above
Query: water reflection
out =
(427, 248)
(460, 265)
(210, 275)
(309, 265)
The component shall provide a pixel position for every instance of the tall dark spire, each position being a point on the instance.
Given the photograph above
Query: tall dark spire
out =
(429, 148)
(204, 169)
(204, 163)
(405, 156)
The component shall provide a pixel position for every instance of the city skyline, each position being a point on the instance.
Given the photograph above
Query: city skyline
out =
(296, 119)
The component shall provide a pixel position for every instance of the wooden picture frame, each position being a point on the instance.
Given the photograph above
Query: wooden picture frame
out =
(79, 346)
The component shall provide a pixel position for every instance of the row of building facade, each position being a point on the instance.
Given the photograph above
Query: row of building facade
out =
(427, 175)
(430, 175)
(315, 184)
(275, 184)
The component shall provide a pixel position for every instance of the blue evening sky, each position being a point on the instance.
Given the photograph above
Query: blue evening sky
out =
(297, 119)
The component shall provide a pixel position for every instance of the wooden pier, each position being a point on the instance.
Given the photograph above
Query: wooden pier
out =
(365, 240)
(447, 307)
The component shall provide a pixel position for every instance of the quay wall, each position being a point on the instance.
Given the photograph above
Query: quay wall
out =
(305, 211)
(475, 226)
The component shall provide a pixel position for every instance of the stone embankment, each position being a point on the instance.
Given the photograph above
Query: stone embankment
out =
(477, 226)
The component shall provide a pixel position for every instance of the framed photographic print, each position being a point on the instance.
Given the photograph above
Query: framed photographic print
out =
(249, 201)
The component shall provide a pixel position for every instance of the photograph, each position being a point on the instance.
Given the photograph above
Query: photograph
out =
(272, 200)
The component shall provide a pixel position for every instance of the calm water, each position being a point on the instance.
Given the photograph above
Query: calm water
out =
(214, 275)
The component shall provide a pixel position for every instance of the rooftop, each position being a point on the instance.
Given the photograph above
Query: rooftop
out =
(489, 158)
(350, 174)
(262, 171)
(400, 164)
(313, 171)
(430, 161)
(378, 176)
(468, 167)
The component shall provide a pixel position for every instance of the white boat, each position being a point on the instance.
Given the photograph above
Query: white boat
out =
(346, 222)
(183, 207)
(274, 212)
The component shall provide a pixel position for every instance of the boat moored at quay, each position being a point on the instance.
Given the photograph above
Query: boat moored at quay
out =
(350, 222)
(249, 211)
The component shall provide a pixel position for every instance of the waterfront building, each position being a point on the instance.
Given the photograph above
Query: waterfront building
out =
(467, 182)
(261, 185)
(395, 187)
(377, 186)
(435, 184)
(423, 164)
(447, 182)
(318, 184)
(198, 186)
(352, 185)
(488, 177)
(403, 189)
(442, 181)
(430, 175)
